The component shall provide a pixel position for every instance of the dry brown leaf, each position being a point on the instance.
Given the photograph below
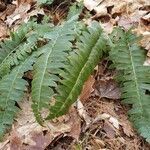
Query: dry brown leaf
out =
(3, 30)
(15, 141)
(87, 89)
(82, 112)
(114, 122)
(145, 42)
(126, 126)
(127, 21)
(39, 141)
(108, 27)
(19, 14)
(97, 144)
(10, 9)
(26, 128)
(117, 6)
(110, 131)
(2, 6)
(35, 12)
(20, 2)
(107, 89)
(75, 123)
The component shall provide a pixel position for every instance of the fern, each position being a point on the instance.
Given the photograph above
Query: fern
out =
(41, 2)
(16, 49)
(49, 64)
(81, 64)
(75, 10)
(128, 58)
(17, 56)
(12, 88)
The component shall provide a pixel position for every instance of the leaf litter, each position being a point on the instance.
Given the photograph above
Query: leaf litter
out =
(98, 120)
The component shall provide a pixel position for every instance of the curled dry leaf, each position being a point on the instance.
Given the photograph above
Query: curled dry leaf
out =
(82, 112)
(108, 89)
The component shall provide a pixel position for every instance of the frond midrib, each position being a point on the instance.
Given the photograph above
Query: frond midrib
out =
(47, 58)
(135, 78)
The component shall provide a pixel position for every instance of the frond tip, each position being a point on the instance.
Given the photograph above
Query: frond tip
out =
(128, 58)
(81, 64)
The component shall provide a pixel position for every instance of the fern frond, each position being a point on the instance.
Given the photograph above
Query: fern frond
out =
(12, 88)
(128, 58)
(75, 9)
(49, 64)
(81, 64)
(40, 2)
(15, 49)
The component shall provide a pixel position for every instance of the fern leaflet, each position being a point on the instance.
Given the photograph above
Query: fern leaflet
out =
(16, 49)
(128, 58)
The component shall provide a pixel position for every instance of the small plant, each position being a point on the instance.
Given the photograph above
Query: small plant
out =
(62, 58)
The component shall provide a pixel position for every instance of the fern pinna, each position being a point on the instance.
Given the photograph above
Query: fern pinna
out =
(128, 58)
(16, 49)
(90, 49)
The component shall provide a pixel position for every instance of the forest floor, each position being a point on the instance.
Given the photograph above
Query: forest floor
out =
(110, 129)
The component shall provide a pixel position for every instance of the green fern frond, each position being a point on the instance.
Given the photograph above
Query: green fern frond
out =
(12, 88)
(40, 2)
(128, 58)
(49, 64)
(81, 64)
(15, 49)
(75, 9)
